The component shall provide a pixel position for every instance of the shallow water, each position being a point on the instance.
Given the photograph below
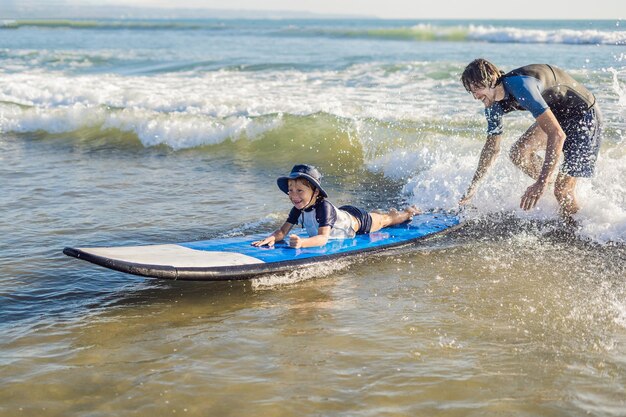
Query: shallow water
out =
(402, 335)
(524, 321)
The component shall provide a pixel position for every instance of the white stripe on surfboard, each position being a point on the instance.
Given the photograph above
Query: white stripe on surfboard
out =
(172, 255)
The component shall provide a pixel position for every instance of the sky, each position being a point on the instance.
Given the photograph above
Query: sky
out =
(414, 9)
(391, 9)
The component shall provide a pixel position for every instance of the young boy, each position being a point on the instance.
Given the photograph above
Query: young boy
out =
(321, 218)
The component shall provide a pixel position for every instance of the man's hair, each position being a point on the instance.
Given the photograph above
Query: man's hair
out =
(480, 73)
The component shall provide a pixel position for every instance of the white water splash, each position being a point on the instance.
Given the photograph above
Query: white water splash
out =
(564, 36)
(303, 274)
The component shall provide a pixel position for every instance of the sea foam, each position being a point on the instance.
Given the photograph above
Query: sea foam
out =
(393, 115)
(559, 36)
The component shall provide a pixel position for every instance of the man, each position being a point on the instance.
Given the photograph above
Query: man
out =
(567, 122)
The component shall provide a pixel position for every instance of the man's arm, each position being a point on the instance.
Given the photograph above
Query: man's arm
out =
(488, 155)
(554, 147)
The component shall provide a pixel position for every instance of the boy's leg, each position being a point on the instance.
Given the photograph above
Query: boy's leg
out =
(380, 220)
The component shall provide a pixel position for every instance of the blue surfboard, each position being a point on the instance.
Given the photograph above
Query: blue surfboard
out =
(235, 258)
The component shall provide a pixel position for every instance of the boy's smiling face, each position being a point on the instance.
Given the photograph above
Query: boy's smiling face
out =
(301, 194)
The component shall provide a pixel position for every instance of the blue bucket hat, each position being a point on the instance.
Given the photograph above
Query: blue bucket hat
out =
(302, 171)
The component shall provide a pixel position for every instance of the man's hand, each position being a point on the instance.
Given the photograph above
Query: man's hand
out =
(467, 197)
(532, 195)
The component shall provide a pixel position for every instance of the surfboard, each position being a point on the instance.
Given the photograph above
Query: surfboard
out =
(234, 258)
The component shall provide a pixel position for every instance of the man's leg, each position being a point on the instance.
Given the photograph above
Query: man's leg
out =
(565, 193)
(523, 153)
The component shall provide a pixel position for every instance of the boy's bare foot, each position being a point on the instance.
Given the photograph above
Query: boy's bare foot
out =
(413, 210)
(404, 215)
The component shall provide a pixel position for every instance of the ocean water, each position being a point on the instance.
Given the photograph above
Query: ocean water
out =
(153, 131)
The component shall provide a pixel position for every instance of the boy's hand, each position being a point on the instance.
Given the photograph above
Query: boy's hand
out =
(295, 241)
(269, 241)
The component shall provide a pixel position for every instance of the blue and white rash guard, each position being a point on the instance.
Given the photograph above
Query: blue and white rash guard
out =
(323, 213)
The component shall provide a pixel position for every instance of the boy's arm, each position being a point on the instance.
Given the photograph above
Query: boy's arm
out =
(276, 236)
(323, 233)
